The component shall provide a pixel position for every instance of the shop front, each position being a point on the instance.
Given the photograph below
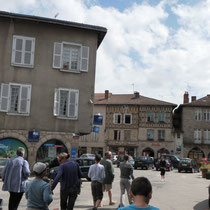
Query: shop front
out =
(49, 150)
(8, 147)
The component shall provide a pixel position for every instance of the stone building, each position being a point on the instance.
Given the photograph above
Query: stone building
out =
(192, 122)
(47, 76)
(132, 124)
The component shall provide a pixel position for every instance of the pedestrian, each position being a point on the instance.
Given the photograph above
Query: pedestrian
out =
(69, 175)
(14, 176)
(141, 192)
(162, 168)
(97, 174)
(126, 174)
(38, 193)
(109, 176)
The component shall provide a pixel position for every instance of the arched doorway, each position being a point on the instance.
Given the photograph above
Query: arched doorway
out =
(49, 150)
(196, 153)
(162, 151)
(8, 147)
(148, 152)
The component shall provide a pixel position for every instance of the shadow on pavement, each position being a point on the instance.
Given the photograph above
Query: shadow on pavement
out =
(203, 205)
(91, 207)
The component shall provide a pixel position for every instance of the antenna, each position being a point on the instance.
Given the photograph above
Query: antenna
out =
(56, 15)
(133, 86)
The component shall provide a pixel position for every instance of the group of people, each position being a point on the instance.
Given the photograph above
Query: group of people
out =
(39, 192)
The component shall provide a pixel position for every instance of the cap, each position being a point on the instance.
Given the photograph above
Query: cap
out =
(39, 167)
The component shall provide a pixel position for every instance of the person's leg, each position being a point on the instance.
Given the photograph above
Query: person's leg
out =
(14, 200)
(98, 194)
(128, 187)
(122, 193)
(63, 199)
(72, 199)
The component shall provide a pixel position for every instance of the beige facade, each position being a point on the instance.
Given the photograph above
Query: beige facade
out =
(47, 77)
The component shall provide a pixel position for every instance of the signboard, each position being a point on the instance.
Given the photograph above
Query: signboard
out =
(96, 129)
(33, 135)
(52, 152)
(73, 152)
(98, 120)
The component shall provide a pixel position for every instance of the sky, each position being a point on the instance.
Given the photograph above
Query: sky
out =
(160, 48)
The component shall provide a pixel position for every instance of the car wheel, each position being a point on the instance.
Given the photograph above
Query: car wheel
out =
(192, 170)
(156, 169)
(179, 171)
(135, 167)
(88, 179)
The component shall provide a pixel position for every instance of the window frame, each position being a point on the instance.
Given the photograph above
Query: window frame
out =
(153, 133)
(198, 115)
(161, 117)
(161, 135)
(150, 115)
(118, 135)
(14, 49)
(114, 118)
(124, 116)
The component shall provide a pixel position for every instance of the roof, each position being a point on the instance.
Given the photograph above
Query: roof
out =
(128, 99)
(98, 29)
(205, 101)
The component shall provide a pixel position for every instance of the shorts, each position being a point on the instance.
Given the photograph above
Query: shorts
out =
(97, 192)
(107, 187)
(162, 171)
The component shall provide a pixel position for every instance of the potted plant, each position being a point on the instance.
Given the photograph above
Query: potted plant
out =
(204, 169)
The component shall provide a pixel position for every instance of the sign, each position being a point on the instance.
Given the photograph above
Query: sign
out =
(52, 152)
(33, 135)
(73, 152)
(98, 120)
(96, 129)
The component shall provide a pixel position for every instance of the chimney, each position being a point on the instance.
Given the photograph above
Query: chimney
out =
(136, 94)
(106, 94)
(193, 98)
(186, 97)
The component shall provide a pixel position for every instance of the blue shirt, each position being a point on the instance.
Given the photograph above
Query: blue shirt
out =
(133, 207)
(68, 174)
(15, 174)
(38, 194)
(96, 173)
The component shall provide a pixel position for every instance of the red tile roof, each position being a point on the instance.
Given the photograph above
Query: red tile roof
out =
(205, 101)
(117, 99)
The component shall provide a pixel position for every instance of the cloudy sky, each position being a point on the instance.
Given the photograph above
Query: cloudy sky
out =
(160, 48)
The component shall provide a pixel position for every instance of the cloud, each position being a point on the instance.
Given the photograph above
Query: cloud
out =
(162, 62)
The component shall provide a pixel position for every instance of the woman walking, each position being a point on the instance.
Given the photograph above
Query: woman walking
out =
(162, 168)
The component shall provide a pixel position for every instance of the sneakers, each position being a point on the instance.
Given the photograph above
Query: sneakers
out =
(94, 208)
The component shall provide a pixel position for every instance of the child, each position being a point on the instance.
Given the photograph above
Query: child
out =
(141, 192)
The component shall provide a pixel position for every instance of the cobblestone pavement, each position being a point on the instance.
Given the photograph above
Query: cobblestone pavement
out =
(180, 191)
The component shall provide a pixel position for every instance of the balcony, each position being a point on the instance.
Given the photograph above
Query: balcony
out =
(206, 141)
(197, 141)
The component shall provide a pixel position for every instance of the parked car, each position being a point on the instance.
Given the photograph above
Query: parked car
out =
(114, 159)
(87, 155)
(187, 164)
(169, 166)
(120, 159)
(173, 158)
(84, 164)
(144, 162)
(3, 162)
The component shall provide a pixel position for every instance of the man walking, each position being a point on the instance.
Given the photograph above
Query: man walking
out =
(126, 173)
(97, 174)
(14, 176)
(109, 175)
(69, 175)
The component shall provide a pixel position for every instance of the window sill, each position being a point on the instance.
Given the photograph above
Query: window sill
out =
(70, 71)
(22, 65)
(66, 118)
(17, 114)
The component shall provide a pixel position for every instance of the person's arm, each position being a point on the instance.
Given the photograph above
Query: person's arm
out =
(25, 170)
(103, 173)
(58, 176)
(131, 173)
(90, 172)
(47, 196)
(79, 171)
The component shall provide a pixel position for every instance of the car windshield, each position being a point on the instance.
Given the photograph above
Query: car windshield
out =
(87, 155)
(141, 158)
(3, 162)
(85, 162)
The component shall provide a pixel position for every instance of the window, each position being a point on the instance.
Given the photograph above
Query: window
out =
(127, 135)
(23, 51)
(117, 134)
(127, 119)
(206, 115)
(206, 134)
(70, 57)
(161, 117)
(161, 135)
(197, 135)
(66, 103)
(117, 118)
(150, 117)
(15, 98)
(150, 134)
(198, 114)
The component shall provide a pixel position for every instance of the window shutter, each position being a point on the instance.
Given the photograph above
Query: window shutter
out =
(84, 59)
(56, 103)
(4, 98)
(25, 98)
(73, 104)
(17, 45)
(57, 55)
(29, 52)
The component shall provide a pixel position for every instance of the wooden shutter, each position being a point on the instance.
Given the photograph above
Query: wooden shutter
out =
(25, 98)
(84, 59)
(17, 48)
(57, 55)
(29, 47)
(4, 98)
(56, 103)
(73, 103)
